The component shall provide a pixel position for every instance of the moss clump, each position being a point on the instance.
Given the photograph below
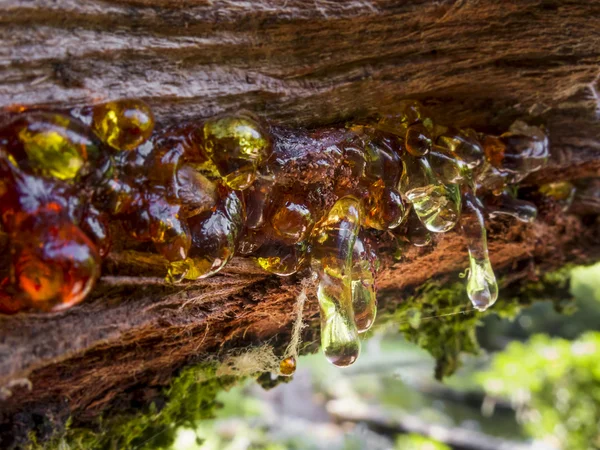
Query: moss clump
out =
(190, 397)
(439, 318)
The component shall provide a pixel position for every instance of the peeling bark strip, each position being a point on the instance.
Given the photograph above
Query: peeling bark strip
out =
(477, 63)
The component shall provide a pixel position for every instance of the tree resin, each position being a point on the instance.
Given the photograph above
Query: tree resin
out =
(79, 184)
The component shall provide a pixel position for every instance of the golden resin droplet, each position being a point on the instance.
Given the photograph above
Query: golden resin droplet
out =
(407, 113)
(364, 300)
(333, 241)
(384, 208)
(123, 124)
(287, 366)
(237, 146)
(50, 145)
(214, 238)
(482, 287)
(292, 220)
(56, 269)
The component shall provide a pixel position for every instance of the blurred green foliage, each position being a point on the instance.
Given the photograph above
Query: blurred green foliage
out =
(418, 442)
(555, 384)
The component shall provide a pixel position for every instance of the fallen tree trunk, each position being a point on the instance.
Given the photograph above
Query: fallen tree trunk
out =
(480, 63)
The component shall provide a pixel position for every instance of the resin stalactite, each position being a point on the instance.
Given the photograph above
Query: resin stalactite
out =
(198, 193)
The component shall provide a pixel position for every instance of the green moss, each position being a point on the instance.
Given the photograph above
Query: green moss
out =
(439, 317)
(190, 398)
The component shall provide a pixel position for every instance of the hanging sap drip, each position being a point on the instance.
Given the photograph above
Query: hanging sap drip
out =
(333, 244)
(482, 288)
(364, 300)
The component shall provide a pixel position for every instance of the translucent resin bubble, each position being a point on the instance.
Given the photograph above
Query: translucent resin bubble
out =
(522, 150)
(292, 220)
(464, 144)
(437, 205)
(281, 259)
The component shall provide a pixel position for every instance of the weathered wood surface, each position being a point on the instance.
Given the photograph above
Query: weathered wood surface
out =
(477, 62)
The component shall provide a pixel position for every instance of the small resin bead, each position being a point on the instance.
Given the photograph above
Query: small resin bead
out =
(436, 204)
(559, 190)
(407, 113)
(194, 191)
(382, 163)
(159, 221)
(522, 150)
(384, 208)
(257, 199)
(123, 124)
(51, 145)
(292, 221)
(237, 146)
(281, 259)
(287, 366)
(418, 141)
(465, 145)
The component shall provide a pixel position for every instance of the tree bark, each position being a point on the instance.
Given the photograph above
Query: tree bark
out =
(297, 64)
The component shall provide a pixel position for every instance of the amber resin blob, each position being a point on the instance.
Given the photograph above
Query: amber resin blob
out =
(76, 183)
